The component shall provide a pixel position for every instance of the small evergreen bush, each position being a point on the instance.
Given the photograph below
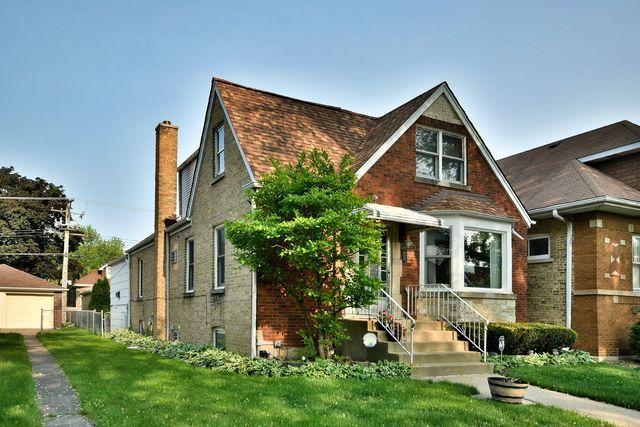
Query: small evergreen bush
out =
(520, 338)
(224, 361)
(100, 296)
(634, 339)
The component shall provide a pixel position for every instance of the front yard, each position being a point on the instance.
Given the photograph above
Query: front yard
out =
(618, 385)
(118, 386)
(18, 405)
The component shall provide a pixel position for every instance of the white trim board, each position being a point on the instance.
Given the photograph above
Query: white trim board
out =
(215, 93)
(446, 91)
(603, 155)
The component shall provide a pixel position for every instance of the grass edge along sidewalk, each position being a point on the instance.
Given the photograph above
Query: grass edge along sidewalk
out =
(18, 406)
(604, 382)
(118, 386)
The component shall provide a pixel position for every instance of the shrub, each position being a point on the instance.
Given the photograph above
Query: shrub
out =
(219, 360)
(564, 358)
(520, 338)
(634, 339)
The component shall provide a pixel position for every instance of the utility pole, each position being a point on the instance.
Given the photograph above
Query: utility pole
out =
(66, 226)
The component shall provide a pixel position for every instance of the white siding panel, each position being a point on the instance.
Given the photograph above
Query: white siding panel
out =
(118, 275)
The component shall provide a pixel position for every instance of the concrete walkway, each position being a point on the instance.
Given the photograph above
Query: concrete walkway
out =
(56, 398)
(590, 408)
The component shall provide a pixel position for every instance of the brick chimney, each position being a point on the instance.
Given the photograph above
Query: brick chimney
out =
(165, 207)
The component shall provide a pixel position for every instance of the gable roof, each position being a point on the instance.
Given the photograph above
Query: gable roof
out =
(272, 126)
(90, 278)
(13, 278)
(552, 175)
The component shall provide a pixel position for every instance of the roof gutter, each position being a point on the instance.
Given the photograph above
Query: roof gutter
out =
(585, 204)
(7, 288)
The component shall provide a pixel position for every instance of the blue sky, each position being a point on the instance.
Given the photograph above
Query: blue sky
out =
(83, 84)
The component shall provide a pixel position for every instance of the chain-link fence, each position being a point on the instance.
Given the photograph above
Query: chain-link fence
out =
(96, 322)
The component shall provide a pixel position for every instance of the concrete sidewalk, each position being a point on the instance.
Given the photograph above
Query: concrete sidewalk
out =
(590, 408)
(56, 398)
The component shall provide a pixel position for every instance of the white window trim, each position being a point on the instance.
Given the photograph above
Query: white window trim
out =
(439, 155)
(188, 267)
(216, 256)
(634, 262)
(217, 149)
(140, 277)
(457, 225)
(546, 257)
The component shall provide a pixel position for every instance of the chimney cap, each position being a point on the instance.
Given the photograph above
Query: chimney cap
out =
(167, 124)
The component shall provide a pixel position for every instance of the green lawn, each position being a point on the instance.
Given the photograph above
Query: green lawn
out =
(129, 387)
(609, 383)
(18, 405)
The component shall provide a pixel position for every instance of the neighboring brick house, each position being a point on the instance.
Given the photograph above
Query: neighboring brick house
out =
(433, 180)
(584, 250)
(79, 296)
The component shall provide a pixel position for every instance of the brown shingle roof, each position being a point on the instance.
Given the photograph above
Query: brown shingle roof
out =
(276, 126)
(90, 278)
(13, 278)
(455, 201)
(551, 174)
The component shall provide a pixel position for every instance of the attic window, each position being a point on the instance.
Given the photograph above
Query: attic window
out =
(440, 155)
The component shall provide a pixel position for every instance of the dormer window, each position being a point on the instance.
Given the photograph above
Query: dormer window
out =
(219, 152)
(440, 155)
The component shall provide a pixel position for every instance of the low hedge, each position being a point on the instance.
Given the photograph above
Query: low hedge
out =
(521, 338)
(563, 358)
(224, 361)
(634, 339)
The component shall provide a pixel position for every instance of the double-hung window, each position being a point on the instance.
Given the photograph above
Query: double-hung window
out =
(140, 277)
(539, 247)
(636, 263)
(440, 155)
(219, 257)
(190, 249)
(437, 257)
(218, 152)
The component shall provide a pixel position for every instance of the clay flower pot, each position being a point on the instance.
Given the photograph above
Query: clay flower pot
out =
(509, 390)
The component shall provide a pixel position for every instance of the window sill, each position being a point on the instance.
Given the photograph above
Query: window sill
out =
(219, 291)
(189, 294)
(217, 178)
(484, 293)
(437, 182)
(139, 299)
(539, 261)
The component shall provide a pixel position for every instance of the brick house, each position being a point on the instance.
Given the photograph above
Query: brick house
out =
(429, 175)
(584, 250)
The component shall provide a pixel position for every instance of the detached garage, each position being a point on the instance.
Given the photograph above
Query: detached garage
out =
(23, 299)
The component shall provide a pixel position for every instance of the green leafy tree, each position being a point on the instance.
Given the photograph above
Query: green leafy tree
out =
(303, 237)
(27, 226)
(95, 251)
(100, 299)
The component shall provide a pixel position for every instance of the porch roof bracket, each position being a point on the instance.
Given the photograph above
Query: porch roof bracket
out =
(401, 215)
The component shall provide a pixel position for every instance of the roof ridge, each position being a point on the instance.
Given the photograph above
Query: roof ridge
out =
(635, 128)
(558, 141)
(579, 172)
(587, 168)
(291, 98)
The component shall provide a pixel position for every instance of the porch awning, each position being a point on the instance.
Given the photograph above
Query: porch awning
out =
(401, 215)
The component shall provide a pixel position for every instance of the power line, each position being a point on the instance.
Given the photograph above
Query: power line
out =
(63, 199)
(116, 206)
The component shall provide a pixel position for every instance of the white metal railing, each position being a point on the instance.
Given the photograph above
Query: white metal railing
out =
(393, 318)
(441, 303)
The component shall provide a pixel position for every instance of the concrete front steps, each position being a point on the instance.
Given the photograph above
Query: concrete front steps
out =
(437, 351)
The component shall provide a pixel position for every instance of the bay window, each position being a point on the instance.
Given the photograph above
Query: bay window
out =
(482, 259)
(440, 155)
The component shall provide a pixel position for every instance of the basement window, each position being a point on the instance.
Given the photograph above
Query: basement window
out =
(219, 338)
(539, 247)
(440, 155)
(636, 263)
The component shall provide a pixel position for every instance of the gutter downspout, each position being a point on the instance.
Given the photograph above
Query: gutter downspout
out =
(569, 266)
(167, 279)
(254, 304)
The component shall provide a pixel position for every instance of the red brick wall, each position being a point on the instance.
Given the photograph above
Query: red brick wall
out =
(393, 180)
(625, 169)
(279, 318)
(603, 321)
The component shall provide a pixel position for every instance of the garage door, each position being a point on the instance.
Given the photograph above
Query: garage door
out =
(23, 311)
